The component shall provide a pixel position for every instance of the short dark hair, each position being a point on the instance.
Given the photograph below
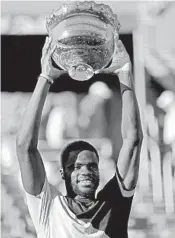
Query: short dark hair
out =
(76, 146)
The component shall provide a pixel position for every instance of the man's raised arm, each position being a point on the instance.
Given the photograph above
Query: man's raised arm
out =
(30, 161)
(129, 156)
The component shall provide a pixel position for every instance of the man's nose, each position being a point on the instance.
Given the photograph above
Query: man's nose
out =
(85, 170)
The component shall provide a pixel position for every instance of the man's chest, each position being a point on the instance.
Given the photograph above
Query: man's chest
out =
(64, 222)
(101, 220)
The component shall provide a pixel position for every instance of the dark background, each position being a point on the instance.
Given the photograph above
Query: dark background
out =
(20, 62)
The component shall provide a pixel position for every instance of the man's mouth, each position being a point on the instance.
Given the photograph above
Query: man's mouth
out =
(86, 181)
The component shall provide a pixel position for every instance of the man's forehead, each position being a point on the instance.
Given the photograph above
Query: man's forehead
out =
(87, 155)
(81, 156)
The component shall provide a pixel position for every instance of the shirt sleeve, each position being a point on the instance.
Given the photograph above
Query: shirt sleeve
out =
(39, 206)
(115, 190)
(117, 197)
(124, 191)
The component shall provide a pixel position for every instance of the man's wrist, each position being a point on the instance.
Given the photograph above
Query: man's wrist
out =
(124, 73)
(124, 88)
(48, 79)
(125, 78)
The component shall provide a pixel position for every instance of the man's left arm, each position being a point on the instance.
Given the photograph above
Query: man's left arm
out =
(129, 156)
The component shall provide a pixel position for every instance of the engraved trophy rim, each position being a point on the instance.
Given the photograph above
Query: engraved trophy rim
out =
(66, 10)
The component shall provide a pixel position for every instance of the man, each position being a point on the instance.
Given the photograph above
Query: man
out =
(80, 213)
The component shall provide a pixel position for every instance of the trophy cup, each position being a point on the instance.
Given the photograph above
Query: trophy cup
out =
(85, 35)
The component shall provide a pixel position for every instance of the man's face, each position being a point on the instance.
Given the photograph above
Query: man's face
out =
(83, 174)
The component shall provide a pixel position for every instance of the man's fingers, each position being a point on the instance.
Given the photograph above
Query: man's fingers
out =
(52, 49)
(45, 43)
(103, 71)
(46, 46)
(120, 61)
(63, 72)
(126, 67)
(44, 50)
(50, 52)
(120, 43)
(110, 70)
(121, 46)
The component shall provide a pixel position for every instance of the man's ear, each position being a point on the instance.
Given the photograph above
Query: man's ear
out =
(62, 174)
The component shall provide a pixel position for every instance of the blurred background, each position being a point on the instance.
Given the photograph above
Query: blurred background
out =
(91, 110)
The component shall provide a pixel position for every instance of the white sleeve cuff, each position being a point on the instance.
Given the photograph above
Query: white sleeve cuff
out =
(124, 192)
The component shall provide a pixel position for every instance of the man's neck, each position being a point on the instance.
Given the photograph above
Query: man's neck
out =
(85, 199)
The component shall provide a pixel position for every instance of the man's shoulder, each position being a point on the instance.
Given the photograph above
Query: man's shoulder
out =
(114, 191)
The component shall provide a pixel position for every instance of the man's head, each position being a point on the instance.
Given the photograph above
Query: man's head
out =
(79, 168)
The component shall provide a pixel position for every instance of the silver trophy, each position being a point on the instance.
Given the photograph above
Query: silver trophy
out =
(85, 34)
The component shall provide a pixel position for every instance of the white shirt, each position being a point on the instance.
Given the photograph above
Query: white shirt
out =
(53, 218)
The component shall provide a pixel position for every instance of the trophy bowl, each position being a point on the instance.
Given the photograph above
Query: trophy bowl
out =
(85, 34)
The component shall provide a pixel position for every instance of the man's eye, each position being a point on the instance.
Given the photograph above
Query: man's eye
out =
(77, 167)
(93, 167)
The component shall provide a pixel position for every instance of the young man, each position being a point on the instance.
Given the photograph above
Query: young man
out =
(80, 213)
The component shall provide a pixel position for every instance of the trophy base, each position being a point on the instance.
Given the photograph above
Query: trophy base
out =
(81, 72)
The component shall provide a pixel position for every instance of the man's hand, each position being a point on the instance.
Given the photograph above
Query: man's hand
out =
(120, 62)
(46, 62)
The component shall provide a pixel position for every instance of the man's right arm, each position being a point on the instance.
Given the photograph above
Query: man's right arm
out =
(30, 161)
